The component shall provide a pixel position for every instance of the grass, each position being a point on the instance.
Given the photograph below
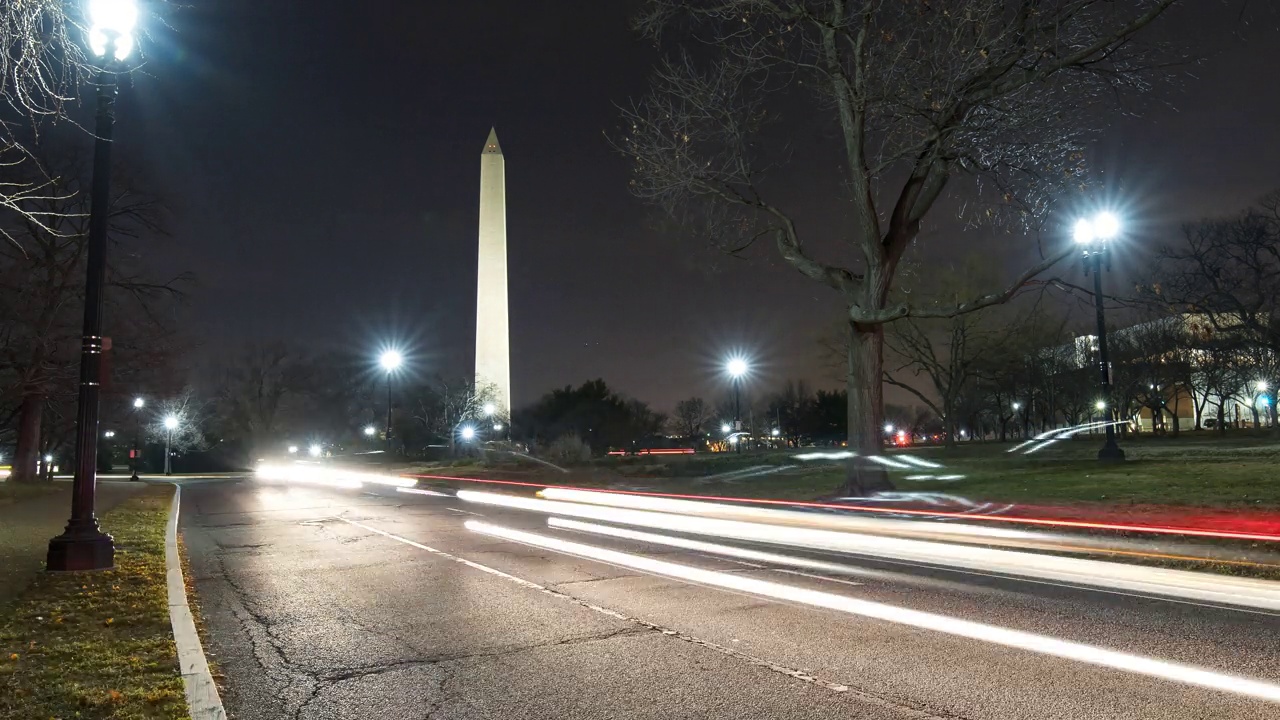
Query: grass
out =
(98, 645)
(11, 492)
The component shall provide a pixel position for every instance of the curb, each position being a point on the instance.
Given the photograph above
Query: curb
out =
(202, 693)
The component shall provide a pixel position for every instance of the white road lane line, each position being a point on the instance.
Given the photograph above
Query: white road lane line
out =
(668, 632)
(818, 577)
(1008, 637)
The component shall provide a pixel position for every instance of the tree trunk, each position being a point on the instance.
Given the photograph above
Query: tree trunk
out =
(27, 455)
(1222, 417)
(865, 411)
(1176, 403)
(1257, 421)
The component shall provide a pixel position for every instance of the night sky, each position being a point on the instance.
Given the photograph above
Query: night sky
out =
(322, 162)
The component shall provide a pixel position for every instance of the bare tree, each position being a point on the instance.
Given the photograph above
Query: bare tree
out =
(913, 96)
(255, 388)
(42, 286)
(690, 415)
(1226, 274)
(192, 413)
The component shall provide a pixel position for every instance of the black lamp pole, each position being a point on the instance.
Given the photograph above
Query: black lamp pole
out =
(135, 457)
(388, 413)
(1110, 451)
(83, 546)
(737, 411)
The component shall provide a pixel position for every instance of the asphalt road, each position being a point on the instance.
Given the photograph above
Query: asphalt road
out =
(324, 603)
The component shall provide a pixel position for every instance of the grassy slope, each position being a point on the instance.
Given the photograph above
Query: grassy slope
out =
(98, 645)
(1237, 471)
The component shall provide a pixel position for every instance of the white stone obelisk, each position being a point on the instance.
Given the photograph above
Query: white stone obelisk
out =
(493, 343)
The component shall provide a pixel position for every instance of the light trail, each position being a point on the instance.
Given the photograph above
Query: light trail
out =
(302, 473)
(711, 548)
(787, 517)
(418, 491)
(1220, 589)
(1103, 657)
(1014, 519)
(965, 515)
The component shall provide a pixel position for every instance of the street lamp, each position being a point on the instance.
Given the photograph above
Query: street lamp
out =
(390, 361)
(315, 450)
(109, 434)
(1094, 236)
(737, 368)
(497, 427)
(135, 454)
(170, 424)
(468, 432)
(293, 449)
(370, 430)
(489, 409)
(83, 545)
(888, 428)
(724, 428)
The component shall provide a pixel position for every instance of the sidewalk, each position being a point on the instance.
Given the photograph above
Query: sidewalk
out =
(29, 518)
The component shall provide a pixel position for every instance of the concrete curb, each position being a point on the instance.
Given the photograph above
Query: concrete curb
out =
(202, 693)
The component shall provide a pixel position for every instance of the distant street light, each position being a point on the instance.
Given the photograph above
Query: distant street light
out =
(1101, 405)
(468, 432)
(489, 409)
(888, 428)
(135, 454)
(1094, 236)
(83, 545)
(109, 434)
(390, 361)
(170, 424)
(315, 450)
(293, 449)
(724, 428)
(497, 427)
(737, 368)
(1263, 386)
(370, 430)
(776, 432)
(1017, 406)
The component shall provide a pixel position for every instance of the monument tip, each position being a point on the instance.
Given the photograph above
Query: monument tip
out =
(491, 145)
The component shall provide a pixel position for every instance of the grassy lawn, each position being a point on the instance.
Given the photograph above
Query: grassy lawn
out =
(1233, 472)
(98, 645)
(1237, 472)
(11, 492)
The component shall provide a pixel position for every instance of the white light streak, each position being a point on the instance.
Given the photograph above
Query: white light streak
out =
(1080, 652)
(887, 462)
(1239, 591)
(842, 455)
(918, 462)
(712, 548)
(314, 474)
(419, 491)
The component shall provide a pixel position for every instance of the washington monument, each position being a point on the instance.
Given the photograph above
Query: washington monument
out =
(493, 344)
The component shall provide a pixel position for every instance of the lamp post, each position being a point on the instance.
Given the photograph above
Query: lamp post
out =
(135, 456)
(737, 368)
(170, 424)
(1094, 236)
(390, 360)
(83, 545)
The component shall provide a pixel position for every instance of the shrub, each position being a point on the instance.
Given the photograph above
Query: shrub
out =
(568, 450)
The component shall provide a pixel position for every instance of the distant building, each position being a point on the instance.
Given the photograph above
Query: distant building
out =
(1190, 367)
